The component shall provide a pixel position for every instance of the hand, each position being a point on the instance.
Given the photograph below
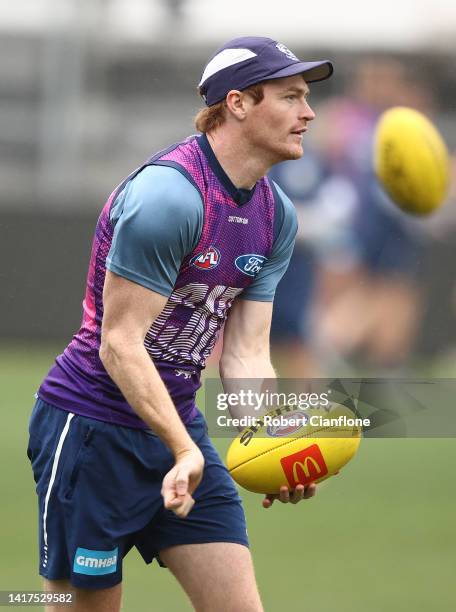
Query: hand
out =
(180, 482)
(301, 492)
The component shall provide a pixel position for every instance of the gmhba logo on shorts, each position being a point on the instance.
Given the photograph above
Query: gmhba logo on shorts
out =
(250, 264)
(95, 562)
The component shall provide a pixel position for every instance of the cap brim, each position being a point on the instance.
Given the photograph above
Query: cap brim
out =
(312, 71)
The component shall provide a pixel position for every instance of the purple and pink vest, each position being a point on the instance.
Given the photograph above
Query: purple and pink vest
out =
(229, 253)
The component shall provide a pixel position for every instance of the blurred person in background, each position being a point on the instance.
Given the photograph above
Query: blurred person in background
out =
(368, 304)
(440, 322)
(351, 289)
(194, 237)
(292, 350)
(324, 208)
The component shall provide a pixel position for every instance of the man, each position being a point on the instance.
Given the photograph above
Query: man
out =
(369, 305)
(292, 325)
(119, 450)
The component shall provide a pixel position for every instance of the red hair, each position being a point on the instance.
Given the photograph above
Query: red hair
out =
(212, 117)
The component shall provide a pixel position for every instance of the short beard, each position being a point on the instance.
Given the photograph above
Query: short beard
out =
(286, 154)
(275, 155)
(296, 155)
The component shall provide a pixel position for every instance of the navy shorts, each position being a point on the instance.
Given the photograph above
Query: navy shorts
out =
(98, 487)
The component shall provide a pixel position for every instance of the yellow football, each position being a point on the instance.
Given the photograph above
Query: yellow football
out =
(289, 446)
(411, 160)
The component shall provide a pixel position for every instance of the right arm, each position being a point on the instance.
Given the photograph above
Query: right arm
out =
(142, 267)
(129, 310)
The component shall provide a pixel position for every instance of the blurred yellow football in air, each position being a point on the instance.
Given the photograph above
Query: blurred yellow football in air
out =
(411, 160)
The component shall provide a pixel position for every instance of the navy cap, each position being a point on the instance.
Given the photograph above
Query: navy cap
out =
(248, 60)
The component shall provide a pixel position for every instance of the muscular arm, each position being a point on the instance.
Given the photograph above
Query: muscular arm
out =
(246, 355)
(245, 361)
(142, 267)
(129, 310)
(246, 341)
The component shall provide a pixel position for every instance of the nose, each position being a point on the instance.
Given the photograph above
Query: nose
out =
(307, 112)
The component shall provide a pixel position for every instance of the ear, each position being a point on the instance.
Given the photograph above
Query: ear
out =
(237, 104)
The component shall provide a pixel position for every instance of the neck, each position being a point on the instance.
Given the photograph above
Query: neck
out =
(243, 164)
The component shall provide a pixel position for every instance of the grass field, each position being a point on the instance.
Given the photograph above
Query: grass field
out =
(380, 537)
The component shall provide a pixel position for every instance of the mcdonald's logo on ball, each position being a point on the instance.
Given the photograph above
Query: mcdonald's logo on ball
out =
(304, 466)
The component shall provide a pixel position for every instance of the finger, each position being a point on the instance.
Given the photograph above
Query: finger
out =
(284, 495)
(310, 490)
(268, 501)
(184, 508)
(177, 501)
(298, 494)
(181, 482)
(171, 500)
(168, 495)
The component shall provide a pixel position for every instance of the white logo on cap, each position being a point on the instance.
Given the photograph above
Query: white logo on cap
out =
(287, 52)
(224, 59)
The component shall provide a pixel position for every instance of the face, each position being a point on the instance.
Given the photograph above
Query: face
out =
(278, 123)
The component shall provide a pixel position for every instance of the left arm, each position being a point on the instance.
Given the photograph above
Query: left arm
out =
(246, 341)
(246, 337)
(245, 362)
(246, 355)
(246, 351)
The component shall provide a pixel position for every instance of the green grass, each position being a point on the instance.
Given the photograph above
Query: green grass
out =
(378, 537)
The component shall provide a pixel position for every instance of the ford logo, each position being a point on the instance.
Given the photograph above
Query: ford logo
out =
(250, 264)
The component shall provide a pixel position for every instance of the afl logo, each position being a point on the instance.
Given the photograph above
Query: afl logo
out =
(210, 258)
(297, 420)
(250, 264)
